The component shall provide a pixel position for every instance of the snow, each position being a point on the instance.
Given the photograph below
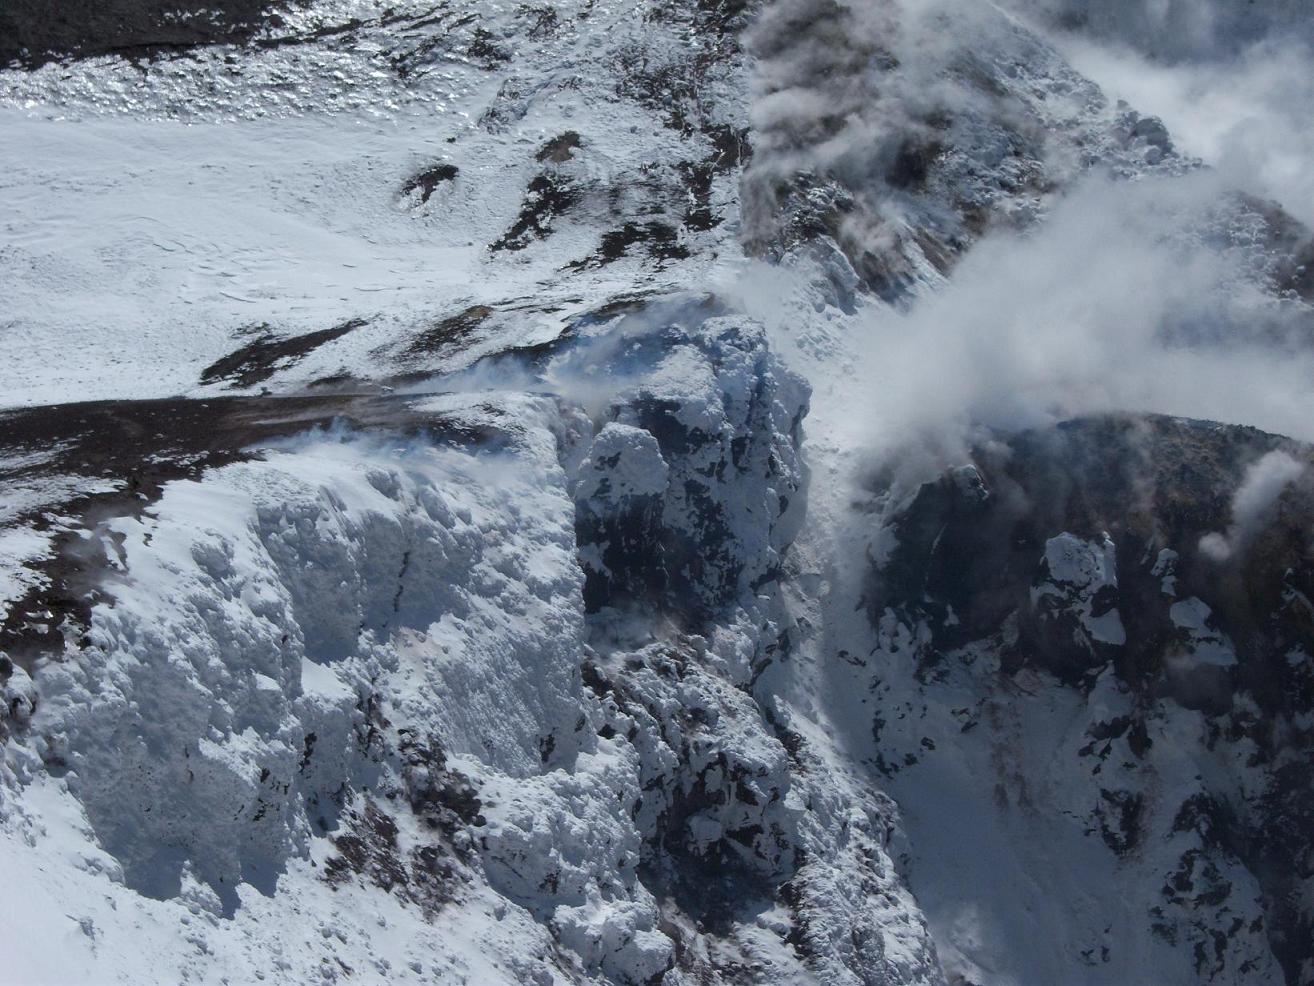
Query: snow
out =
(1165, 566)
(559, 666)
(82, 927)
(221, 680)
(19, 548)
(635, 466)
(1207, 645)
(1078, 571)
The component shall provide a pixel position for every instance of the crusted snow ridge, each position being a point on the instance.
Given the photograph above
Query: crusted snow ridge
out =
(646, 494)
(340, 558)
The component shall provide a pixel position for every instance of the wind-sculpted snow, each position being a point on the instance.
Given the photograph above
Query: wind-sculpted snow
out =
(297, 582)
(650, 494)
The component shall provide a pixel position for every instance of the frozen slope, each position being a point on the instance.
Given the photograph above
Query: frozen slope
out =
(642, 493)
(276, 190)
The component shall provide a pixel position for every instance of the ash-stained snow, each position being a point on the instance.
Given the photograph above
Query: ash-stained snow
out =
(1079, 573)
(643, 493)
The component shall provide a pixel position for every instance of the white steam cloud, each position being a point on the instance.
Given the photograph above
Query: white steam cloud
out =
(1141, 296)
(1111, 304)
(1170, 31)
(1252, 503)
(1234, 82)
(1117, 302)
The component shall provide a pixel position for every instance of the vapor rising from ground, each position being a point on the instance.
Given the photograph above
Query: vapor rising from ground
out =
(1127, 292)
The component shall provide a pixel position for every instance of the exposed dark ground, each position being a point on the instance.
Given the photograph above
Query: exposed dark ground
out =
(261, 358)
(33, 32)
(427, 181)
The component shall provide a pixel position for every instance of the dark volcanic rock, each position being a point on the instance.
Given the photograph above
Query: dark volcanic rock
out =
(687, 502)
(265, 355)
(559, 149)
(1082, 552)
(548, 196)
(33, 32)
(426, 182)
(974, 540)
(448, 334)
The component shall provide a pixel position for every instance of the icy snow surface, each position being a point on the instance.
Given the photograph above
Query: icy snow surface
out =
(571, 496)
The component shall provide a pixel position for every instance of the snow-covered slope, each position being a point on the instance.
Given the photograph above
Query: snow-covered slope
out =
(660, 492)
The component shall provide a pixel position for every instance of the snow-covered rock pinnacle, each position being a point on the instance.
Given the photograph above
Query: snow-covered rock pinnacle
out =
(657, 493)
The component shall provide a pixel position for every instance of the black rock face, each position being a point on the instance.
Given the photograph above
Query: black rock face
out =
(1139, 494)
(33, 32)
(973, 540)
(631, 539)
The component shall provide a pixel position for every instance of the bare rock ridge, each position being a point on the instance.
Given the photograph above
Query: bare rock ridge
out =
(677, 493)
(1078, 558)
(33, 32)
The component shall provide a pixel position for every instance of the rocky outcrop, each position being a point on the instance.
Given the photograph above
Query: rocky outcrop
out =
(1068, 583)
(694, 487)
(515, 620)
